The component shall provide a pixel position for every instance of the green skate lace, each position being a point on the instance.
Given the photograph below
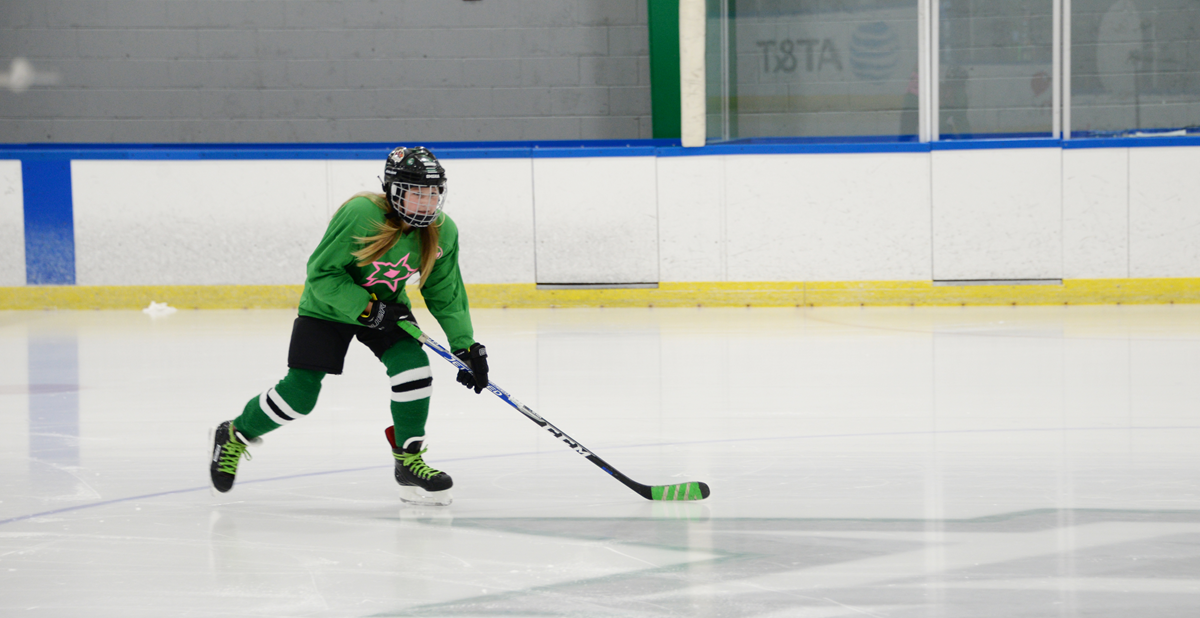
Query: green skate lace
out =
(231, 453)
(416, 465)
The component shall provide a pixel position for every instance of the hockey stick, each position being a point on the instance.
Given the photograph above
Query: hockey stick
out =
(681, 491)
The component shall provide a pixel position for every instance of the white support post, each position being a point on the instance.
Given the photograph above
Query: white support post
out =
(691, 72)
(927, 53)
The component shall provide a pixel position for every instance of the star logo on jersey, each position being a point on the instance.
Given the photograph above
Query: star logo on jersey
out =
(390, 273)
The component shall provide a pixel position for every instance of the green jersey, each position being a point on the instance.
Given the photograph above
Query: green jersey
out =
(338, 289)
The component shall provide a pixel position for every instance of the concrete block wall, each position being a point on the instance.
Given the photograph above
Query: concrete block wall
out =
(211, 71)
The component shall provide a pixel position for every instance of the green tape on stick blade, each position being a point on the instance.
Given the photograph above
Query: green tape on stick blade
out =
(682, 491)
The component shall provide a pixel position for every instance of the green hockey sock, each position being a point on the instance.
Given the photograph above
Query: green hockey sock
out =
(412, 384)
(292, 398)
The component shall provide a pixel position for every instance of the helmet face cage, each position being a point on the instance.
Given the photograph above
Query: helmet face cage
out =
(418, 205)
(415, 184)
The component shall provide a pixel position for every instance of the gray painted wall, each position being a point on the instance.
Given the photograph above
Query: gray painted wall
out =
(160, 71)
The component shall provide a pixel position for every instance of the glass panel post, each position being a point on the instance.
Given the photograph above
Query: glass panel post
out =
(1056, 72)
(1065, 81)
(927, 62)
(718, 76)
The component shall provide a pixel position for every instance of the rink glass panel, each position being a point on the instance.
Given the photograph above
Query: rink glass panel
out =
(811, 69)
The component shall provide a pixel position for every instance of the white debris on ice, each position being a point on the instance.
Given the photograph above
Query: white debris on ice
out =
(158, 309)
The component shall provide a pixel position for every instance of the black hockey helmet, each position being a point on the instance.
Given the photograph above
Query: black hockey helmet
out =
(409, 170)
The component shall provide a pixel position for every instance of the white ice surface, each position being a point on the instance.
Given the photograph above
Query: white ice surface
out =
(1029, 461)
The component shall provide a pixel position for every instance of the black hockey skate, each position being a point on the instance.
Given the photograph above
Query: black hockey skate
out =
(419, 484)
(228, 448)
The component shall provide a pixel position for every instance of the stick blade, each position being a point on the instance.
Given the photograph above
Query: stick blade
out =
(681, 491)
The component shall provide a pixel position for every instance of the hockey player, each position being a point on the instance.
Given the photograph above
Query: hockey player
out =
(355, 290)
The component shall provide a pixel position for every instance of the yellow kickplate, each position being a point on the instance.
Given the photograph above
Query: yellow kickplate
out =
(701, 294)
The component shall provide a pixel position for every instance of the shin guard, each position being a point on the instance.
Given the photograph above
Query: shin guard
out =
(412, 384)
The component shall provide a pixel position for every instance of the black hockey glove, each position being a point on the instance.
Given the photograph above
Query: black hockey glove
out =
(474, 357)
(385, 316)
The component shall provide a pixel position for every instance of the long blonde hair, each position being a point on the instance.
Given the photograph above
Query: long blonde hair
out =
(388, 233)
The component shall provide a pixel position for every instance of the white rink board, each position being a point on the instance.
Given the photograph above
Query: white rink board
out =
(692, 239)
(997, 214)
(12, 225)
(1042, 213)
(492, 202)
(1096, 213)
(196, 222)
(596, 220)
(346, 179)
(841, 217)
(1164, 212)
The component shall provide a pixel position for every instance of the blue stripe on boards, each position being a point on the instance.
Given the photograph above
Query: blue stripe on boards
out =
(996, 144)
(49, 222)
(48, 154)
